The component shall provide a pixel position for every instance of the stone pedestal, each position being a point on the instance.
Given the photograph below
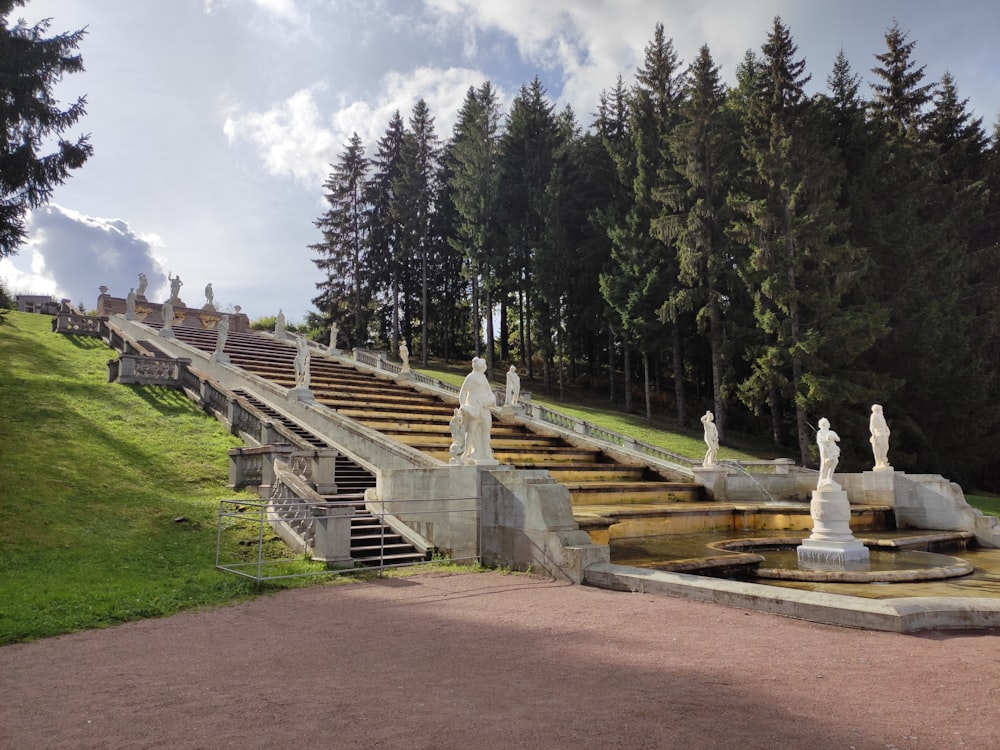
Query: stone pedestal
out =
(713, 479)
(300, 393)
(332, 541)
(514, 410)
(832, 542)
(879, 487)
(219, 358)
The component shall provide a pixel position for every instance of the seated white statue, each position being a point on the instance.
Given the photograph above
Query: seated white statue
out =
(475, 401)
(711, 439)
(880, 438)
(829, 455)
(513, 395)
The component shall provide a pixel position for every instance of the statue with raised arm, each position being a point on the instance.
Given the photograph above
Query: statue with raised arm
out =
(879, 439)
(301, 362)
(143, 283)
(404, 355)
(512, 396)
(175, 287)
(829, 455)
(711, 439)
(475, 399)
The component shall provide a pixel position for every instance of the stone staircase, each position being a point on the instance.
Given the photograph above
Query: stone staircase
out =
(420, 421)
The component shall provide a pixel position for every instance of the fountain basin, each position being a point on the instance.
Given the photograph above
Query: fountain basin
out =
(780, 562)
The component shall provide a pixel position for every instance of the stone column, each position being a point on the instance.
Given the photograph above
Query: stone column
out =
(332, 537)
(832, 542)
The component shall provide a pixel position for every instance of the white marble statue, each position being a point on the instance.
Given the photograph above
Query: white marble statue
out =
(167, 311)
(404, 355)
(829, 455)
(879, 439)
(475, 400)
(457, 446)
(130, 305)
(711, 439)
(512, 396)
(143, 283)
(175, 287)
(334, 330)
(279, 324)
(222, 331)
(301, 362)
(209, 297)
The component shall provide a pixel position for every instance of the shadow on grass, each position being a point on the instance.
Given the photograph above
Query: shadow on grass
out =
(166, 401)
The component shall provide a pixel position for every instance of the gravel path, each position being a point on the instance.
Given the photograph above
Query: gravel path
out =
(496, 661)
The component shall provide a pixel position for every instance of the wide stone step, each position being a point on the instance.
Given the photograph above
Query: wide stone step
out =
(617, 493)
(501, 444)
(594, 473)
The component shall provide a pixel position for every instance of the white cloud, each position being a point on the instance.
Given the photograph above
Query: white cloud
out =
(71, 255)
(282, 18)
(294, 140)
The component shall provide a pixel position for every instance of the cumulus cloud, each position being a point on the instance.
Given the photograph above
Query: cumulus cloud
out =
(290, 17)
(71, 255)
(295, 140)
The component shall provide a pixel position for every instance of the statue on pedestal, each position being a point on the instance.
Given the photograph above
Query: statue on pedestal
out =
(404, 355)
(301, 362)
(130, 305)
(222, 329)
(167, 311)
(476, 399)
(334, 330)
(879, 439)
(513, 394)
(143, 283)
(175, 288)
(711, 439)
(829, 455)
(209, 297)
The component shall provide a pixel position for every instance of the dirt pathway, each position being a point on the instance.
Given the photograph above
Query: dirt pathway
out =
(496, 661)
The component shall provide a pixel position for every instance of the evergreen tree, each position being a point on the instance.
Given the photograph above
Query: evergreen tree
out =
(900, 98)
(801, 268)
(527, 155)
(31, 66)
(473, 161)
(385, 250)
(642, 273)
(704, 148)
(344, 293)
(415, 195)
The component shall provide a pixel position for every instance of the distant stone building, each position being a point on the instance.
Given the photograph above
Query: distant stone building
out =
(37, 303)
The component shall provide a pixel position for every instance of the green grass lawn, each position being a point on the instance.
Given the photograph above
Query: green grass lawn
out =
(109, 493)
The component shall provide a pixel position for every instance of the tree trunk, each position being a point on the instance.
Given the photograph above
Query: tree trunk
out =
(611, 365)
(395, 318)
(475, 311)
(649, 396)
(424, 308)
(715, 341)
(628, 377)
(678, 362)
(489, 334)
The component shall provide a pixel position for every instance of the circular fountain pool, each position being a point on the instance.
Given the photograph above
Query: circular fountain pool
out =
(780, 562)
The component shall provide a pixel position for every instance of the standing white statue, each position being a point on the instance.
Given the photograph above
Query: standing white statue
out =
(475, 400)
(829, 455)
(175, 287)
(879, 439)
(279, 324)
(404, 355)
(222, 331)
(209, 297)
(167, 311)
(334, 330)
(130, 305)
(711, 439)
(512, 397)
(301, 362)
(143, 283)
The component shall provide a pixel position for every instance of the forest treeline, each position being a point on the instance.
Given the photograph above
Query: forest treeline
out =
(768, 254)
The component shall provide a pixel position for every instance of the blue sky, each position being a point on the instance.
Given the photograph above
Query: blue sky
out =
(214, 122)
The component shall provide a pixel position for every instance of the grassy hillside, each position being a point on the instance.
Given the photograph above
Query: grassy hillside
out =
(109, 493)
